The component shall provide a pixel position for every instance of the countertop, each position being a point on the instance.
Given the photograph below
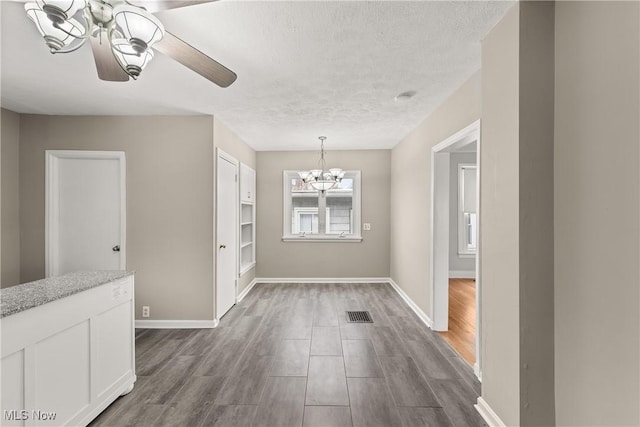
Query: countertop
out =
(22, 297)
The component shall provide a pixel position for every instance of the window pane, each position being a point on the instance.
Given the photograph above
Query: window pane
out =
(340, 208)
(469, 179)
(299, 186)
(304, 212)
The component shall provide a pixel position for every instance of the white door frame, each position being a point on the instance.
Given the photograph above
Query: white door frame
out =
(440, 231)
(226, 157)
(52, 196)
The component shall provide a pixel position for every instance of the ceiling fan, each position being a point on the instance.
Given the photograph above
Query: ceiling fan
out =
(122, 34)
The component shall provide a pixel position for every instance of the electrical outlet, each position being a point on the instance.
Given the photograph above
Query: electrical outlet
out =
(366, 226)
(145, 311)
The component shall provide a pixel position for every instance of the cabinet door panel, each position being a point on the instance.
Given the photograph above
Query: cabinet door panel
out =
(114, 352)
(62, 367)
(247, 184)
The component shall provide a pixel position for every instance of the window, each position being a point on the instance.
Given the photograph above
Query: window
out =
(467, 212)
(311, 216)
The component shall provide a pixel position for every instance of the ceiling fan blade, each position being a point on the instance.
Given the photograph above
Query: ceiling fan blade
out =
(106, 64)
(159, 5)
(192, 58)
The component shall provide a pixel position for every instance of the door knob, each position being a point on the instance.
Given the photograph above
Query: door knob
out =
(223, 246)
(116, 248)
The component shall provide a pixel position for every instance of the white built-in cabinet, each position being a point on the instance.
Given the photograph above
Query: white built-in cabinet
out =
(247, 218)
(65, 361)
(247, 184)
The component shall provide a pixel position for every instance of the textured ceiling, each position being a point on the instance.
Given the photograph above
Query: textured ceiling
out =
(304, 69)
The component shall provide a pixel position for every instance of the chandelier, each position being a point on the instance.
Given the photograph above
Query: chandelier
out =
(322, 179)
(131, 31)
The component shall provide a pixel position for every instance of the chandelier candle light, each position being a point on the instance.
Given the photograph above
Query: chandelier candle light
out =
(321, 179)
(130, 30)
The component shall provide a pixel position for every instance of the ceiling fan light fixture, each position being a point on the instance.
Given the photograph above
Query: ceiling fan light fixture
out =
(56, 36)
(131, 61)
(60, 10)
(138, 26)
(129, 32)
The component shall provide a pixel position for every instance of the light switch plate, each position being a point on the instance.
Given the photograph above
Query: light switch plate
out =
(366, 226)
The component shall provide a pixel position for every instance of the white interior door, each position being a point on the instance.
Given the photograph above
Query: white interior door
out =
(226, 233)
(85, 211)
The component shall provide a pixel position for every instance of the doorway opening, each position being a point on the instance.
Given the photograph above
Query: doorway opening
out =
(455, 219)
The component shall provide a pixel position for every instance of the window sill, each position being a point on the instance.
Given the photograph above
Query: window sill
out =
(324, 239)
(466, 255)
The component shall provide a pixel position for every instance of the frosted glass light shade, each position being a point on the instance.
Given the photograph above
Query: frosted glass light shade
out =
(69, 7)
(129, 59)
(137, 24)
(335, 171)
(304, 175)
(323, 185)
(55, 38)
(316, 173)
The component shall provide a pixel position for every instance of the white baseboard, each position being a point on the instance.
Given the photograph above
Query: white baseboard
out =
(361, 280)
(488, 414)
(461, 274)
(322, 280)
(477, 371)
(176, 324)
(417, 310)
(244, 293)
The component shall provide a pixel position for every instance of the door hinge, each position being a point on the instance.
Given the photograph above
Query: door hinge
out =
(236, 178)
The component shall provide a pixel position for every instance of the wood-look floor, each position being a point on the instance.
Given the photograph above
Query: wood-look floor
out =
(462, 318)
(285, 356)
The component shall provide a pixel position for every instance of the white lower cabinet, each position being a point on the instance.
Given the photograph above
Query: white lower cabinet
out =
(65, 361)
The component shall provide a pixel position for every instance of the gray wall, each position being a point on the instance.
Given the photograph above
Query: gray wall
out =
(596, 213)
(369, 258)
(517, 216)
(169, 202)
(536, 121)
(456, 262)
(499, 220)
(410, 190)
(10, 203)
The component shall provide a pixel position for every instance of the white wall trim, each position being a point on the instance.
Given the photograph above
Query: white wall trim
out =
(477, 371)
(246, 291)
(322, 280)
(461, 274)
(488, 414)
(176, 324)
(356, 280)
(440, 264)
(417, 310)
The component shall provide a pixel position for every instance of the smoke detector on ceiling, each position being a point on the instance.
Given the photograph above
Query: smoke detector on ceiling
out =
(405, 96)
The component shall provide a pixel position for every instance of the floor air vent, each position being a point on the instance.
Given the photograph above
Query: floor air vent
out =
(359, 317)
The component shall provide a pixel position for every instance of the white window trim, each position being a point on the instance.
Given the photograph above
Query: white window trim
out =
(463, 252)
(299, 211)
(327, 238)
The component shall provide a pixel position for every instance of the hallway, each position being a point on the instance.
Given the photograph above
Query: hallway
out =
(286, 356)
